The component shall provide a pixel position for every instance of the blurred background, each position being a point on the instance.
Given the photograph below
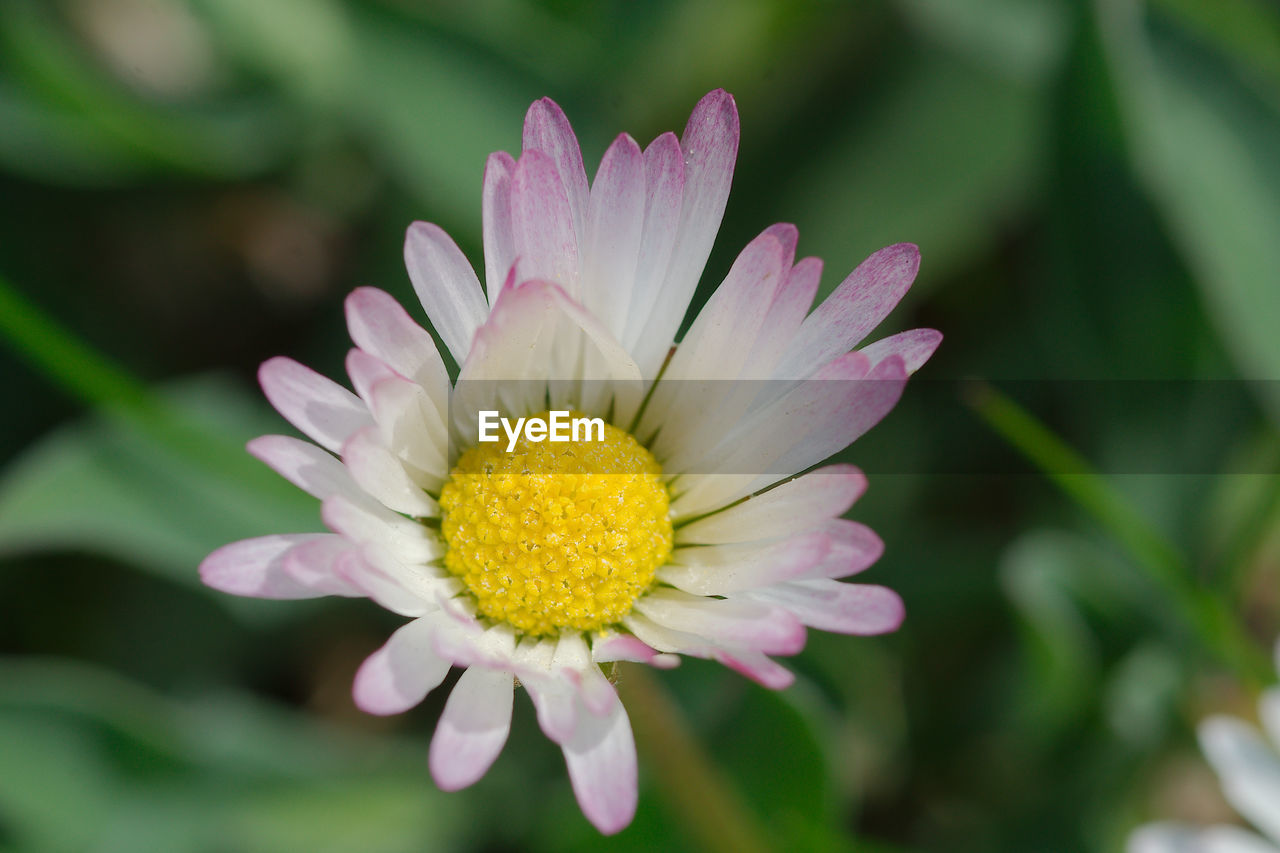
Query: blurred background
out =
(189, 187)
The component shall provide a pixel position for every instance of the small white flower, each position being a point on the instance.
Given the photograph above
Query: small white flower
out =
(1249, 768)
(519, 565)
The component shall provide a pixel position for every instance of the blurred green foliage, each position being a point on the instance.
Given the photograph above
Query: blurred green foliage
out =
(192, 186)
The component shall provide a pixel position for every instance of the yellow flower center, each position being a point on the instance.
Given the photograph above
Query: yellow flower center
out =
(556, 535)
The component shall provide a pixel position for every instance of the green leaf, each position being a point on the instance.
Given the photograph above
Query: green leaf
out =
(1206, 147)
(93, 761)
(946, 152)
(106, 487)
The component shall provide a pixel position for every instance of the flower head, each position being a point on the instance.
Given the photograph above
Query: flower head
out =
(1249, 768)
(664, 535)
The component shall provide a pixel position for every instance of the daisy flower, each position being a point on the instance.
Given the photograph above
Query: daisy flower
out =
(668, 534)
(1249, 768)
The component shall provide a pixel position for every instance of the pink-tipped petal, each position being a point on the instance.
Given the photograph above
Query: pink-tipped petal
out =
(305, 465)
(728, 622)
(611, 245)
(664, 191)
(709, 146)
(547, 130)
(759, 668)
(366, 371)
(255, 568)
(854, 548)
(545, 238)
(314, 565)
(624, 647)
(913, 346)
(855, 308)
(843, 608)
(499, 238)
(790, 305)
(472, 729)
(399, 675)
(446, 285)
(381, 327)
(854, 407)
(721, 569)
(792, 507)
(601, 757)
(319, 407)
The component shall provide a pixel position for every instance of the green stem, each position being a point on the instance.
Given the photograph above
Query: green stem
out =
(1208, 616)
(697, 794)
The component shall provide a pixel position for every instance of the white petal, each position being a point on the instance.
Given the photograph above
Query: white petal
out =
(399, 675)
(472, 729)
(321, 408)
(720, 569)
(370, 522)
(724, 621)
(381, 474)
(601, 757)
(447, 286)
(785, 510)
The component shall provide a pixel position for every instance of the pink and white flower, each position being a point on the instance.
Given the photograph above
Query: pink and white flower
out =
(589, 282)
(1249, 768)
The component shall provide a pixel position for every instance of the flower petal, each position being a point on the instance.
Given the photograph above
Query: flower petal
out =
(709, 147)
(255, 567)
(399, 675)
(790, 508)
(855, 308)
(472, 729)
(306, 466)
(314, 565)
(446, 285)
(546, 240)
(720, 569)
(624, 647)
(547, 130)
(381, 474)
(499, 239)
(1248, 768)
(730, 622)
(321, 408)
(913, 346)
(601, 757)
(843, 608)
(381, 327)
(614, 228)
(664, 192)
